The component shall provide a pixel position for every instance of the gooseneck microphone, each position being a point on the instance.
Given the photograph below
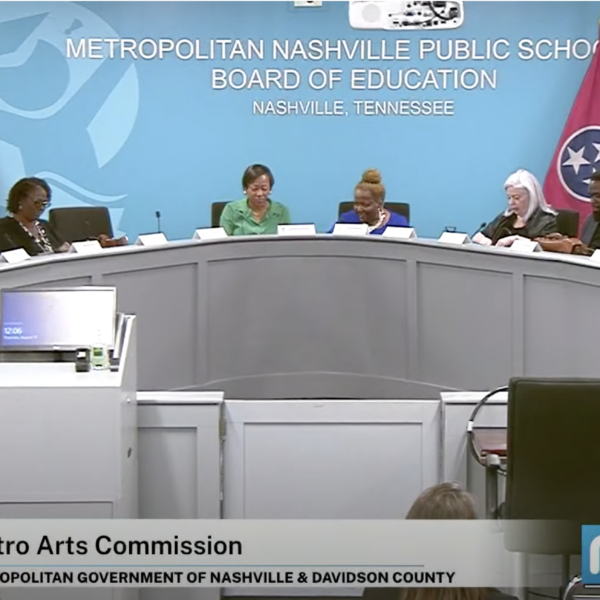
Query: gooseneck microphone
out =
(157, 215)
(478, 230)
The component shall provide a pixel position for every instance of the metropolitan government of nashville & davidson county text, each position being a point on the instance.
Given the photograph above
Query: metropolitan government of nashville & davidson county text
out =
(221, 577)
(364, 108)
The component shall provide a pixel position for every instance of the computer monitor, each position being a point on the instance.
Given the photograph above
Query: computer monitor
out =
(57, 319)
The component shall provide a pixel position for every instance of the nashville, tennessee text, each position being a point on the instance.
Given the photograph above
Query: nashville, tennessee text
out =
(365, 108)
(157, 577)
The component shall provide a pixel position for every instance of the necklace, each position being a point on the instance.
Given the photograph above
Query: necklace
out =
(379, 223)
(41, 239)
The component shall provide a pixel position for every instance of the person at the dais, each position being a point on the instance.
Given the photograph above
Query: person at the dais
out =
(369, 208)
(528, 215)
(256, 214)
(24, 228)
(590, 232)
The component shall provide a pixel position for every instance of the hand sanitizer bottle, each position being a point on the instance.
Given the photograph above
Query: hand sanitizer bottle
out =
(99, 357)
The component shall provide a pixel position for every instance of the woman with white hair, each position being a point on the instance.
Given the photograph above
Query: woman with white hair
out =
(527, 215)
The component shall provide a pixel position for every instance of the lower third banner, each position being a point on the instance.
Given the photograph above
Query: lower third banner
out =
(261, 554)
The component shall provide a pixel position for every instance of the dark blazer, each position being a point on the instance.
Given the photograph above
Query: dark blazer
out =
(12, 236)
(389, 593)
(540, 224)
(590, 235)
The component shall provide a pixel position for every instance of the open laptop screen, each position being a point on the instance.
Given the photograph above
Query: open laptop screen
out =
(57, 319)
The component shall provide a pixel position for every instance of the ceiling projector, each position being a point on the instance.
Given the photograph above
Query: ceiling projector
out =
(391, 15)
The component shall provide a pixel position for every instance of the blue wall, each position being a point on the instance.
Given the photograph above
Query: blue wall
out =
(146, 135)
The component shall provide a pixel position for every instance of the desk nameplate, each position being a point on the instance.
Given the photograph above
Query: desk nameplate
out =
(152, 239)
(14, 257)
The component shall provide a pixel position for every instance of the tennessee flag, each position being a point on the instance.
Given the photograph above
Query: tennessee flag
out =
(577, 154)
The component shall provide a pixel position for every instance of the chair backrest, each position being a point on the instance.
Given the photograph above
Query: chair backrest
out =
(215, 213)
(552, 456)
(80, 223)
(568, 222)
(400, 208)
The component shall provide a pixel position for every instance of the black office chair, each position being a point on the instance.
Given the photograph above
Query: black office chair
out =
(568, 222)
(78, 224)
(552, 449)
(552, 465)
(215, 213)
(400, 208)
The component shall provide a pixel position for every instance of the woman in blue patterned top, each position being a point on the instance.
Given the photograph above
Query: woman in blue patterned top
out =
(369, 198)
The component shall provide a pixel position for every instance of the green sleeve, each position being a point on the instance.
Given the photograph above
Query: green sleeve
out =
(226, 220)
(285, 216)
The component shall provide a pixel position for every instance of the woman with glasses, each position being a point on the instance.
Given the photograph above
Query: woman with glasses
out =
(23, 228)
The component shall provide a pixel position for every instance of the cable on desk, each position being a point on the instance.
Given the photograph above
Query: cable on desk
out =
(471, 424)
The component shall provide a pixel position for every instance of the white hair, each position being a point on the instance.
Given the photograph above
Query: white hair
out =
(524, 180)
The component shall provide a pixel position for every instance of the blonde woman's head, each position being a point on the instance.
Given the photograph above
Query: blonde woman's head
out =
(444, 501)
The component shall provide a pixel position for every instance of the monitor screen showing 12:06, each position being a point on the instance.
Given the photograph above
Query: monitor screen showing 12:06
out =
(15, 333)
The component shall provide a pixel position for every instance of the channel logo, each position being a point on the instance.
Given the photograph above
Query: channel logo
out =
(590, 554)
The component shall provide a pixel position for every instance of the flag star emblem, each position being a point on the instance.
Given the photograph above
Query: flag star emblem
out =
(578, 159)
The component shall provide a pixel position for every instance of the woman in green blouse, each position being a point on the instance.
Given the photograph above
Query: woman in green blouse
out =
(256, 214)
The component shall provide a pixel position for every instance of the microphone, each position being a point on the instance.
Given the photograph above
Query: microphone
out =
(482, 226)
(157, 215)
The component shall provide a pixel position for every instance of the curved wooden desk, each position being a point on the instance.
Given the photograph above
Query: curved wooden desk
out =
(330, 317)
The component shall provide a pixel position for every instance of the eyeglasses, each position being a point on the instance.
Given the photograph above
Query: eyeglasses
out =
(39, 202)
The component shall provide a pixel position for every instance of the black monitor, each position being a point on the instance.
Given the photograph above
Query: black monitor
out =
(64, 319)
